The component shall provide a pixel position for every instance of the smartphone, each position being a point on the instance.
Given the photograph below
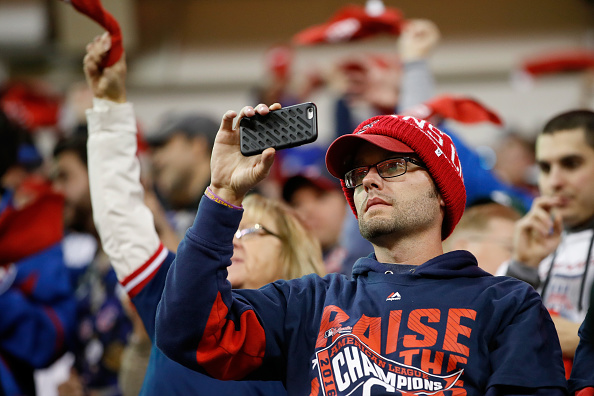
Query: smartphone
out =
(290, 126)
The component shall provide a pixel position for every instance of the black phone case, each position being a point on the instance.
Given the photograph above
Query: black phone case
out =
(287, 127)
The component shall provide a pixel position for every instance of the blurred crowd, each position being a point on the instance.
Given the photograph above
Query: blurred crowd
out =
(68, 326)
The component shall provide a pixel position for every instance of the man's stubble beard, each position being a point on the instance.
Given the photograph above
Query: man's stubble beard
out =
(406, 218)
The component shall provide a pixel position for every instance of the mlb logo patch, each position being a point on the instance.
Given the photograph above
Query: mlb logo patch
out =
(394, 297)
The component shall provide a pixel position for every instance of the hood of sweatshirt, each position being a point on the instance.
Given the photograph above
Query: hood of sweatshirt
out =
(459, 263)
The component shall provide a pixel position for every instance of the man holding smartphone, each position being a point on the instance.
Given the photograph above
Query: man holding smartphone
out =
(412, 320)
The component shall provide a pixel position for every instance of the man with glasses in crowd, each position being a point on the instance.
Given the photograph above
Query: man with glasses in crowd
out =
(411, 321)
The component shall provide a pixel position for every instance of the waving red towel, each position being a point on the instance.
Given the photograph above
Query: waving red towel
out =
(350, 23)
(461, 109)
(559, 61)
(94, 10)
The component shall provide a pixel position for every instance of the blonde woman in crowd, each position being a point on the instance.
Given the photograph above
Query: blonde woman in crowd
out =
(270, 243)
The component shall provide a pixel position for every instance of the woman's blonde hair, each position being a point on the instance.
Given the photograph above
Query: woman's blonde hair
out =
(301, 253)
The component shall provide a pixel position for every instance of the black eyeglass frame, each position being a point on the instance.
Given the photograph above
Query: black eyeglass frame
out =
(348, 179)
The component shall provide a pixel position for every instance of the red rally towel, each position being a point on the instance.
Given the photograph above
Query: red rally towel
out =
(37, 225)
(30, 105)
(461, 109)
(350, 23)
(94, 10)
(560, 61)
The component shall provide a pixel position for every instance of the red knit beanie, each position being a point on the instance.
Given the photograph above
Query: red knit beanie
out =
(402, 134)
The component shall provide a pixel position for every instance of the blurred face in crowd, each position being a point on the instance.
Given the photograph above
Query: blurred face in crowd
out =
(566, 163)
(72, 180)
(321, 211)
(257, 253)
(370, 80)
(491, 245)
(174, 164)
(404, 205)
(515, 159)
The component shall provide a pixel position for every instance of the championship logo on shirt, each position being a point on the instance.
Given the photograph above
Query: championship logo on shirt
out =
(349, 367)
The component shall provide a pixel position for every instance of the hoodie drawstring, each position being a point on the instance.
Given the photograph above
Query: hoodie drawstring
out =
(546, 283)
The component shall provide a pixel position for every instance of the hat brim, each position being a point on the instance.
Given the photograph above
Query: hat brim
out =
(341, 151)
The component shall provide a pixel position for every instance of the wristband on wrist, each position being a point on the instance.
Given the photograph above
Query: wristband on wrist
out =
(212, 196)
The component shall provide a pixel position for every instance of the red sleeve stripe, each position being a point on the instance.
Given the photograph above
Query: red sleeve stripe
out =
(143, 267)
(589, 391)
(134, 282)
(58, 326)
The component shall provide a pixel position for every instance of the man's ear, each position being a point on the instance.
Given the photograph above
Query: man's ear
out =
(438, 194)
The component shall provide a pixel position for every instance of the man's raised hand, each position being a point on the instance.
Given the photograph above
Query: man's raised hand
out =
(106, 83)
(538, 233)
(232, 174)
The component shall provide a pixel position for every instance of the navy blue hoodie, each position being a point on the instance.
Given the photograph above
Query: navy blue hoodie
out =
(445, 327)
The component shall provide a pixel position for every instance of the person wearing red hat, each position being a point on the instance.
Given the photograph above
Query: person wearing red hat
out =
(411, 320)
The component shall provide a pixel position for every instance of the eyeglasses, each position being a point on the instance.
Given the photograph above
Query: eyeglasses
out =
(392, 167)
(257, 229)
